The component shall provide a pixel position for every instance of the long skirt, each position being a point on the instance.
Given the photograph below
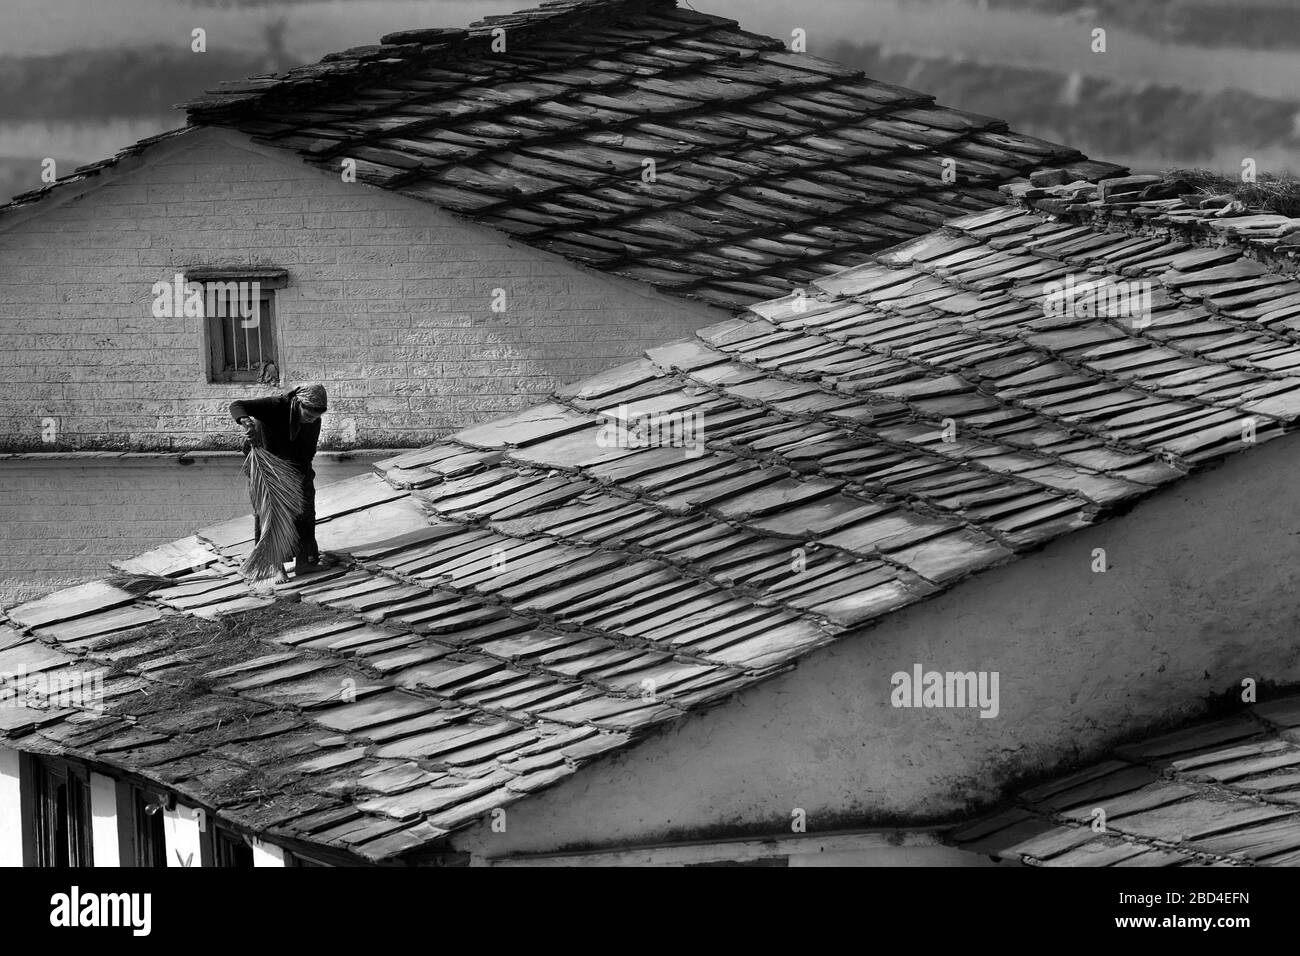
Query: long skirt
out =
(304, 524)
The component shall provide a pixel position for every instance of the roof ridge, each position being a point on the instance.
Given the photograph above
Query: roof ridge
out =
(402, 51)
(1137, 204)
(88, 170)
(549, 11)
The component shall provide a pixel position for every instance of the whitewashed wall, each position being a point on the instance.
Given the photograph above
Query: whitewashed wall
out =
(103, 825)
(11, 832)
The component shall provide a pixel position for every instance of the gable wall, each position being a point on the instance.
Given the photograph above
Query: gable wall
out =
(388, 304)
(1201, 592)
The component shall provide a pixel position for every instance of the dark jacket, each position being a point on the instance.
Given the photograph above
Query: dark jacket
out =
(274, 415)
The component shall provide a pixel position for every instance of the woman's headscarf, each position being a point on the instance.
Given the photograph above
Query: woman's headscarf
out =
(312, 396)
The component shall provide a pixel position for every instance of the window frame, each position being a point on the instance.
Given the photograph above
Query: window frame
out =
(220, 368)
(217, 370)
(225, 843)
(141, 836)
(39, 805)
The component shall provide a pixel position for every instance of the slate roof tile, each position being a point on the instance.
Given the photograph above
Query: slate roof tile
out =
(1211, 793)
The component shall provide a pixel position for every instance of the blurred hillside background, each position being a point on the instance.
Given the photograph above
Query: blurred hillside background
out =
(1182, 82)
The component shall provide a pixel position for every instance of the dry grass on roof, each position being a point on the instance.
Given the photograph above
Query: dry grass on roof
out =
(182, 703)
(1271, 191)
(228, 640)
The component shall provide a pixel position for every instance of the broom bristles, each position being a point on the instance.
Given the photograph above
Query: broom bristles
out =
(139, 583)
(276, 491)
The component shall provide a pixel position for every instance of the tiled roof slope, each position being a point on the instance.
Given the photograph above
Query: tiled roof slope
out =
(519, 598)
(772, 168)
(1224, 792)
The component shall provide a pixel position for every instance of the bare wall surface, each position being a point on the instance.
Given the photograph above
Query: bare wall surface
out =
(1200, 593)
(389, 303)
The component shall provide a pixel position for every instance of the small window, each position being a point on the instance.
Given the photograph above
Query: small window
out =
(148, 844)
(58, 808)
(230, 849)
(241, 335)
(240, 324)
(141, 825)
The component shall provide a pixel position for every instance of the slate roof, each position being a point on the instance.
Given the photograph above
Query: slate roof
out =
(773, 168)
(519, 599)
(1222, 792)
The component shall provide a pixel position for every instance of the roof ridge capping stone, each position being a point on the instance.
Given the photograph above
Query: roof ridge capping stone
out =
(91, 169)
(399, 52)
(1149, 202)
(552, 12)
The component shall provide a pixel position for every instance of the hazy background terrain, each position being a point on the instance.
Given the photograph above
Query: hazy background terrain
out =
(1183, 82)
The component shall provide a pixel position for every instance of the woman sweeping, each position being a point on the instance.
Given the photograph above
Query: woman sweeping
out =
(282, 433)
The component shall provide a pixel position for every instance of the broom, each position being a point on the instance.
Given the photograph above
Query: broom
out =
(137, 583)
(275, 487)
